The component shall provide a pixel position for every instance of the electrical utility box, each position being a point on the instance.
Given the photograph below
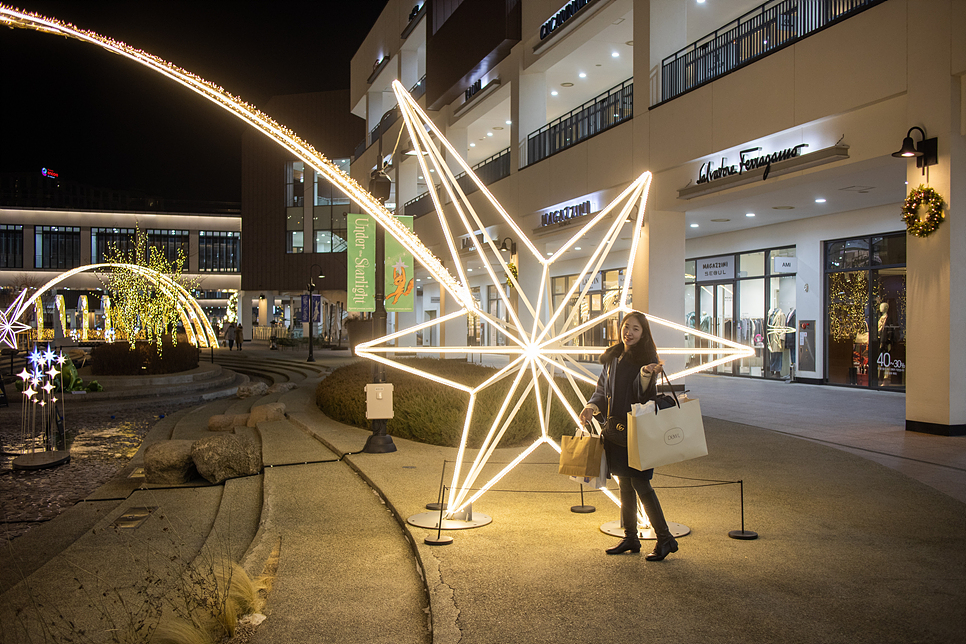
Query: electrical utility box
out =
(379, 400)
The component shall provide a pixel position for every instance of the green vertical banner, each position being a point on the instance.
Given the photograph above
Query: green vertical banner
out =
(400, 273)
(361, 259)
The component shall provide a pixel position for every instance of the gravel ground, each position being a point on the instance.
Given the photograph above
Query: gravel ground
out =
(103, 437)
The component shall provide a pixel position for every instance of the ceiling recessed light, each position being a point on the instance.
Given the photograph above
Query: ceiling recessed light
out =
(469, 270)
(420, 177)
(472, 145)
(566, 84)
(582, 75)
(576, 247)
(694, 225)
(553, 93)
(489, 133)
(549, 254)
(819, 200)
(749, 214)
(509, 122)
(614, 54)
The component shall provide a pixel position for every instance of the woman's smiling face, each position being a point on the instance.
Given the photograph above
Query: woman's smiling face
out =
(631, 332)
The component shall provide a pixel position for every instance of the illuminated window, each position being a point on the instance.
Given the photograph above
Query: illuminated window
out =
(329, 213)
(11, 246)
(219, 251)
(57, 247)
(294, 184)
(105, 240)
(170, 241)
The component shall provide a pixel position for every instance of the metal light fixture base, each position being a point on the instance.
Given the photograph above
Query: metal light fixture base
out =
(582, 509)
(379, 444)
(459, 521)
(615, 529)
(438, 541)
(744, 535)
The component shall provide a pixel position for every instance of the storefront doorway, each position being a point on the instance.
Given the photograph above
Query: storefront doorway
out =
(747, 298)
(865, 286)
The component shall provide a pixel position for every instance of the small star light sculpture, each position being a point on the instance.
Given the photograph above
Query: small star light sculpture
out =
(544, 348)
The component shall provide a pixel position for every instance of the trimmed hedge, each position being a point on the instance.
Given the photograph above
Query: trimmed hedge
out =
(119, 359)
(430, 412)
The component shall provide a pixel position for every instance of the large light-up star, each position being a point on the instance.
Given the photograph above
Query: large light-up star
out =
(541, 344)
(537, 350)
(9, 327)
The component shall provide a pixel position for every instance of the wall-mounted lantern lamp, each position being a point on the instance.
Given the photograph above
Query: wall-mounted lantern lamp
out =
(926, 153)
(512, 247)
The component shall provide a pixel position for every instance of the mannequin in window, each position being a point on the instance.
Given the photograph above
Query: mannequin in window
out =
(775, 338)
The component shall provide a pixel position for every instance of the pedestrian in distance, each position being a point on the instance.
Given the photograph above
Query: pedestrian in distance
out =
(239, 336)
(230, 336)
(629, 376)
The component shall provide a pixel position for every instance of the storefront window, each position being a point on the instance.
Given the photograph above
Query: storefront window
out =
(294, 230)
(753, 305)
(602, 296)
(294, 184)
(866, 311)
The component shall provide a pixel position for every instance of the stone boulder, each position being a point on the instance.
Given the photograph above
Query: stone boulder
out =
(265, 413)
(225, 456)
(221, 423)
(169, 463)
(226, 422)
(253, 389)
(282, 387)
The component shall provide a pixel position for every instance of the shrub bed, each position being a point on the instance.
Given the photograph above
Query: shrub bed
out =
(119, 359)
(430, 412)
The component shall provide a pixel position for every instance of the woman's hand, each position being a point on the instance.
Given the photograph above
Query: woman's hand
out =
(586, 415)
(655, 367)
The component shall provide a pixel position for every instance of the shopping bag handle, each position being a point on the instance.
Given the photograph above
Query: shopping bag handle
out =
(671, 388)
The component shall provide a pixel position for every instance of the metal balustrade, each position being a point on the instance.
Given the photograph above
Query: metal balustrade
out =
(489, 171)
(390, 117)
(758, 33)
(603, 112)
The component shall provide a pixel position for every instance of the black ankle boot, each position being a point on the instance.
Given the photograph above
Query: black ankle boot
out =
(663, 548)
(627, 543)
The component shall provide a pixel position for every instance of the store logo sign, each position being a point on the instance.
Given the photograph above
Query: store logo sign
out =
(558, 19)
(713, 269)
(746, 161)
(785, 265)
(565, 214)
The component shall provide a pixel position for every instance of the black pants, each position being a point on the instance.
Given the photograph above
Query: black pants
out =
(631, 489)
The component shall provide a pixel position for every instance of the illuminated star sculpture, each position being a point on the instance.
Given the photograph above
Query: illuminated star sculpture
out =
(537, 350)
(9, 327)
(544, 348)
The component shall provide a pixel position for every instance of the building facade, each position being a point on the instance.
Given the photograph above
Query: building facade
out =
(295, 221)
(49, 226)
(770, 129)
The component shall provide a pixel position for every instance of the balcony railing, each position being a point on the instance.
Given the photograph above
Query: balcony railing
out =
(390, 117)
(758, 33)
(611, 108)
(489, 171)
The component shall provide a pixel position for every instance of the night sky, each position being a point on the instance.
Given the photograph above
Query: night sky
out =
(103, 120)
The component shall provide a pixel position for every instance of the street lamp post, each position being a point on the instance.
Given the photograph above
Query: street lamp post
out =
(311, 287)
(380, 185)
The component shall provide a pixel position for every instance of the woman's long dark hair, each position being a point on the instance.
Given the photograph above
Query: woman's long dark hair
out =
(643, 352)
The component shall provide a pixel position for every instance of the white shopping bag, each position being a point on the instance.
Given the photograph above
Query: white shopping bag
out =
(664, 436)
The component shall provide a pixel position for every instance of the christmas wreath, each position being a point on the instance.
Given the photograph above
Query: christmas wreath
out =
(933, 202)
(511, 270)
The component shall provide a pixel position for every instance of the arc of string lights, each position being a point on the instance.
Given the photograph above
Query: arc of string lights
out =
(542, 350)
(193, 318)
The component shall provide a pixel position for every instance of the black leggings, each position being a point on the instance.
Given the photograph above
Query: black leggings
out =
(631, 488)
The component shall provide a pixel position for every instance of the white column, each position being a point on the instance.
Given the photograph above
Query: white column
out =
(658, 277)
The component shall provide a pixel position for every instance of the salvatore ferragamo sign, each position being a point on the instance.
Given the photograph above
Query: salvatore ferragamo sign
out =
(746, 161)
